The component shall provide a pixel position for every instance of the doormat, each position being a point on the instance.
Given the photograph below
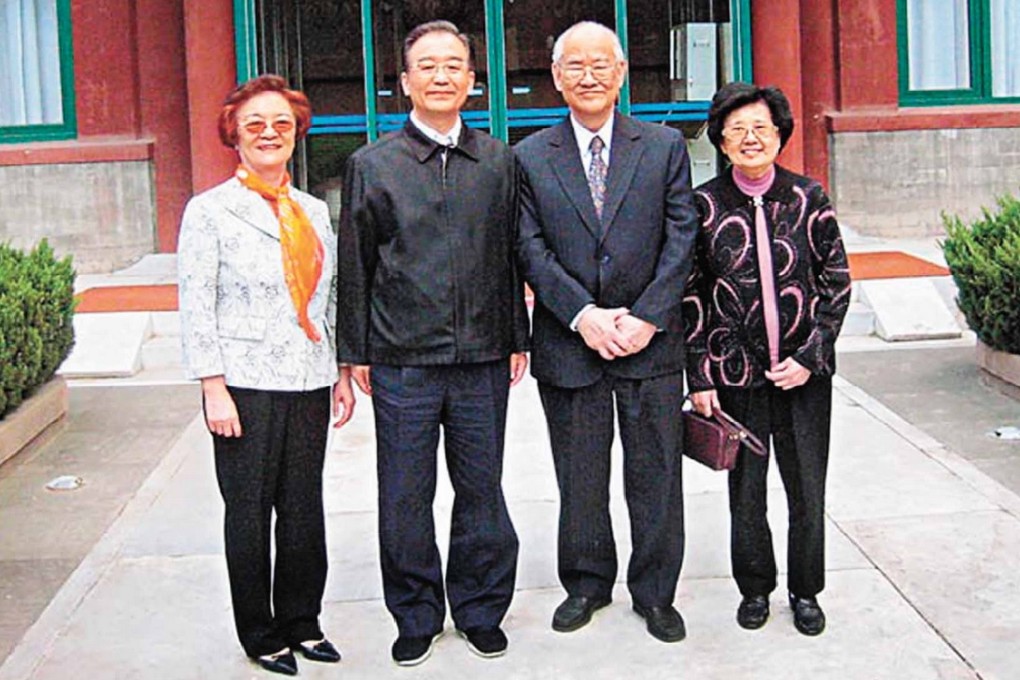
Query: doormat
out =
(891, 265)
(156, 298)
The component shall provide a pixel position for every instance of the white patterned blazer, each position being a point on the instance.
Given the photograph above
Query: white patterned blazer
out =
(237, 318)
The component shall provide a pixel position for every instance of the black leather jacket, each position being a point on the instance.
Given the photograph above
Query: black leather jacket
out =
(426, 253)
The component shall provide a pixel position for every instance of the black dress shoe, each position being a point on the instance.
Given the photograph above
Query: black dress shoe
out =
(576, 611)
(323, 651)
(664, 623)
(808, 616)
(753, 611)
(282, 662)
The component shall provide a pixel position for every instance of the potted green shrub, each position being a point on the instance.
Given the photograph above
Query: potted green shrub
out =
(984, 259)
(36, 310)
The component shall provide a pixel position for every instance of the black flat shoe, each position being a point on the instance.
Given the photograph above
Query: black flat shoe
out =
(576, 611)
(323, 651)
(487, 642)
(282, 662)
(808, 617)
(664, 623)
(753, 611)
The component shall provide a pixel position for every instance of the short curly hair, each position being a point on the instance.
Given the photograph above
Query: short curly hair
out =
(733, 96)
(299, 104)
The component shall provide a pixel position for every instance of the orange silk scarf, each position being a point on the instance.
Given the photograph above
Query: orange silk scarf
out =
(302, 250)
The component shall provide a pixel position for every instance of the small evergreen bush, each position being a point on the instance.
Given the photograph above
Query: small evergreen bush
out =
(984, 258)
(36, 306)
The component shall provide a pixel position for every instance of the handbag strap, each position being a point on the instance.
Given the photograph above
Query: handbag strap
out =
(747, 438)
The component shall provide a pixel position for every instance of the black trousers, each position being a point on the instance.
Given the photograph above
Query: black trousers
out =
(798, 423)
(581, 433)
(469, 403)
(275, 466)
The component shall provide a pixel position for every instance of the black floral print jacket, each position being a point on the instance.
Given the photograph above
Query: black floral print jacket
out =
(722, 311)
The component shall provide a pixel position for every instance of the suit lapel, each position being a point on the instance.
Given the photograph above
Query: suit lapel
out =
(252, 209)
(566, 163)
(624, 155)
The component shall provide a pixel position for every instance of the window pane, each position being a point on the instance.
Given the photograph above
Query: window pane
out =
(391, 22)
(1005, 48)
(939, 44)
(679, 50)
(332, 59)
(29, 63)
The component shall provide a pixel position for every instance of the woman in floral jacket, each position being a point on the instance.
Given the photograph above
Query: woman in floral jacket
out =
(763, 308)
(257, 267)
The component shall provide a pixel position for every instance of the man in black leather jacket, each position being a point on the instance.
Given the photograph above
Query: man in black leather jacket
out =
(431, 316)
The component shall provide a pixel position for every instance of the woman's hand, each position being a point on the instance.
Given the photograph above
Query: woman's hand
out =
(788, 374)
(362, 376)
(343, 398)
(518, 366)
(220, 410)
(705, 401)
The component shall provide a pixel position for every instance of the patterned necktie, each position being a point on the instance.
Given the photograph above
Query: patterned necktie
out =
(597, 172)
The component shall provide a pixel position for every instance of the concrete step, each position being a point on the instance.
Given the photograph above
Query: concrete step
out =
(161, 351)
(909, 309)
(860, 320)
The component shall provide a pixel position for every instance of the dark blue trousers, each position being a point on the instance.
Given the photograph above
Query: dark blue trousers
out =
(469, 403)
(275, 467)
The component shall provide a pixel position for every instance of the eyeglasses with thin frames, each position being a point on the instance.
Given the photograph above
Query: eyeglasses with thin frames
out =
(430, 69)
(257, 127)
(601, 71)
(762, 132)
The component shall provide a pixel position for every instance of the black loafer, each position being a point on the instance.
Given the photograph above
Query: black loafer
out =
(576, 611)
(808, 616)
(323, 651)
(282, 662)
(753, 611)
(664, 623)
(487, 642)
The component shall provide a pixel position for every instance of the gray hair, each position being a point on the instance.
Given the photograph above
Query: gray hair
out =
(557, 53)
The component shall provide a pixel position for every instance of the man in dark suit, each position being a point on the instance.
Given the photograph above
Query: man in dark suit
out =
(606, 243)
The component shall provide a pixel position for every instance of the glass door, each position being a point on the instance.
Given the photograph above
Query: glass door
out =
(680, 52)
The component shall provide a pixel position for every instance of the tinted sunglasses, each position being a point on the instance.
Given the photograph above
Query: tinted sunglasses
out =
(257, 127)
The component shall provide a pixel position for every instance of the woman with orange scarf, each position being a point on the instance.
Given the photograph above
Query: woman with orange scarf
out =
(257, 268)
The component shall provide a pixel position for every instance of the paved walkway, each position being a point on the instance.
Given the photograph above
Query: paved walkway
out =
(923, 558)
(923, 574)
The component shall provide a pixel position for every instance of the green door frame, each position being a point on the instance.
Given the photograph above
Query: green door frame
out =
(246, 47)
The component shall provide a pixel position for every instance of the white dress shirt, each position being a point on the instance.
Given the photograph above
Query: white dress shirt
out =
(442, 138)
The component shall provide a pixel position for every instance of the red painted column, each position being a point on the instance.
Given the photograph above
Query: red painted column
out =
(105, 68)
(776, 55)
(868, 61)
(820, 82)
(164, 111)
(212, 73)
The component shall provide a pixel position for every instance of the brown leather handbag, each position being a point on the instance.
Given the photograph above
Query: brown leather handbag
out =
(716, 441)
